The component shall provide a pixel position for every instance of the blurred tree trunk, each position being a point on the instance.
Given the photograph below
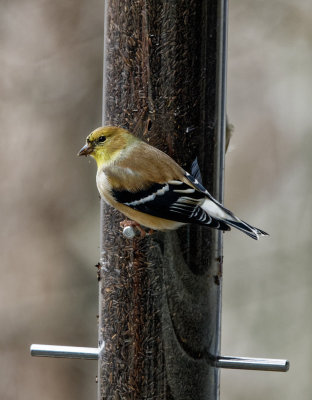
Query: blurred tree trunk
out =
(160, 296)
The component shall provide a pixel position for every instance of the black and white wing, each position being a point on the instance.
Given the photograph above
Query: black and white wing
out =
(179, 201)
(174, 200)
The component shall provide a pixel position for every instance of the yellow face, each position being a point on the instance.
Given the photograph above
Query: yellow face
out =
(105, 143)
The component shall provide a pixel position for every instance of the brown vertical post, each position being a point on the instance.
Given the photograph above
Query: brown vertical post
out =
(160, 297)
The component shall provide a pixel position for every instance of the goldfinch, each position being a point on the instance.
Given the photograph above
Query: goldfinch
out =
(150, 188)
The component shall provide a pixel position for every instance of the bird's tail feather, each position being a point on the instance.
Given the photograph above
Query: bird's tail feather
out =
(219, 212)
(250, 230)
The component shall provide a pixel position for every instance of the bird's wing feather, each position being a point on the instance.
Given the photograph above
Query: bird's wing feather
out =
(194, 182)
(173, 200)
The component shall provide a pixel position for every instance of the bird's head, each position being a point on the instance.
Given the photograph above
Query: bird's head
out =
(104, 144)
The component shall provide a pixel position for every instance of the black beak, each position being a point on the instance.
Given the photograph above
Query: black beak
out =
(86, 150)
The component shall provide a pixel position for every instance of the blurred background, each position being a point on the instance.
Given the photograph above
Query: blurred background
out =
(51, 88)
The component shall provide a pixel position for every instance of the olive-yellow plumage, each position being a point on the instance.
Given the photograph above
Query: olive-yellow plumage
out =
(150, 188)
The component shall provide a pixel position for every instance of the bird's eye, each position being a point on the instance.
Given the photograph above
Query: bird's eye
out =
(102, 139)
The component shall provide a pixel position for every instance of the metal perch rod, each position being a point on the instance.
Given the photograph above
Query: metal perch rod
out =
(260, 364)
(44, 350)
(92, 353)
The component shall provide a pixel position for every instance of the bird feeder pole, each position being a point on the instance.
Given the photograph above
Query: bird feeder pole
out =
(160, 297)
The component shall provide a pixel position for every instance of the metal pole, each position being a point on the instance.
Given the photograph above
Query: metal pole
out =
(257, 364)
(92, 353)
(160, 297)
(44, 350)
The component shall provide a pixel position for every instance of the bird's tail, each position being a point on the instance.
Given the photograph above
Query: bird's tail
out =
(250, 230)
(217, 211)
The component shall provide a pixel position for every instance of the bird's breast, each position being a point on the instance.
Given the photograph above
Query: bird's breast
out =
(102, 183)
